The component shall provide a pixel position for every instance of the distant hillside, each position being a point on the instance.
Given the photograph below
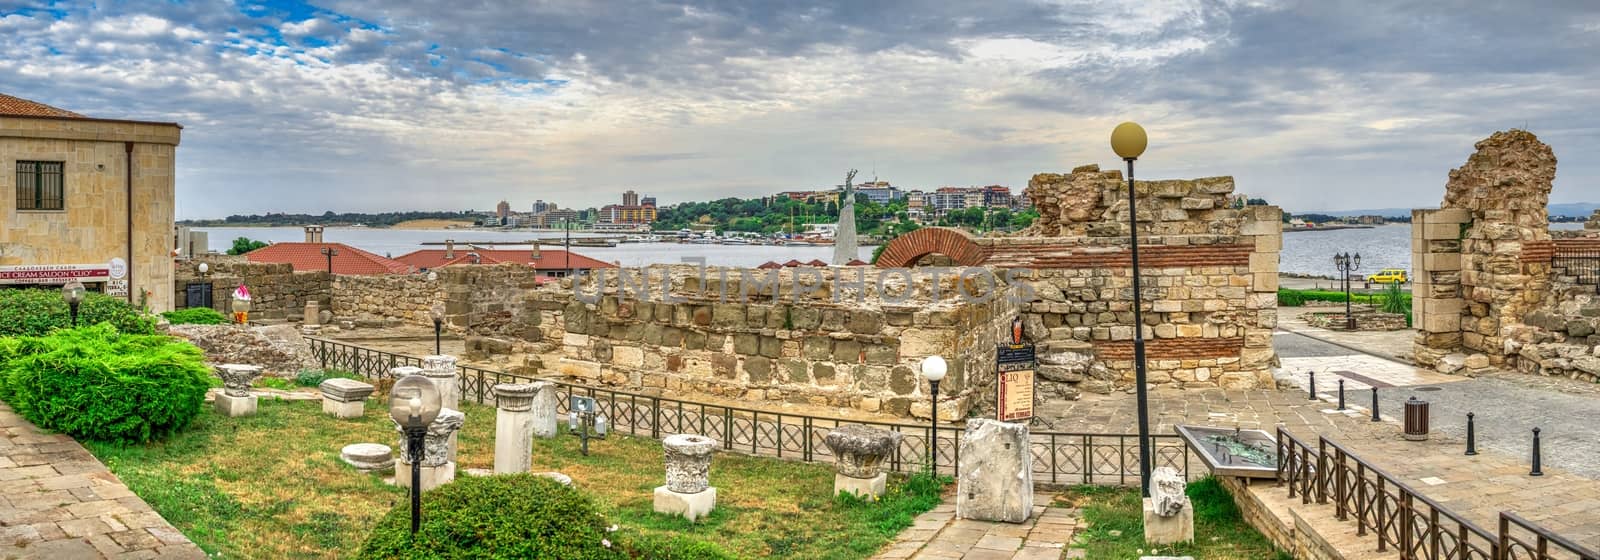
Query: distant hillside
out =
(1574, 209)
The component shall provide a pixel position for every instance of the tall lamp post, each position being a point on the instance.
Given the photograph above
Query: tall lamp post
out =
(414, 403)
(330, 252)
(73, 294)
(933, 369)
(1347, 264)
(436, 312)
(1128, 141)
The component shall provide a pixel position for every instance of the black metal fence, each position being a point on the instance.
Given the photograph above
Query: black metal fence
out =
(1058, 457)
(1582, 264)
(1402, 520)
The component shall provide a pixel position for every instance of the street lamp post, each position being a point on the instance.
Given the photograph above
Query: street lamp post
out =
(1128, 140)
(330, 252)
(436, 312)
(414, 403)
(933, 369)
(73, 294)
(1347, 264)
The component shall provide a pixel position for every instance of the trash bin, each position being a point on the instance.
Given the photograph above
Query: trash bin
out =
(1416, 419)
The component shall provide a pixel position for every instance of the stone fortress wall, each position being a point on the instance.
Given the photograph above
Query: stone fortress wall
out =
(277, 292)
(1490, 288)
(1210, 280)
(853, 337)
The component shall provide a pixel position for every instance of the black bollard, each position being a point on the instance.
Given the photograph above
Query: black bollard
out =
(1375, 404)
(1341, 394)
(1472, 437)
(1536, 470)
(1311, 385)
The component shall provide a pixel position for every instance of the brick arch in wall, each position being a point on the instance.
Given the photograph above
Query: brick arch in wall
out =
(906, 250)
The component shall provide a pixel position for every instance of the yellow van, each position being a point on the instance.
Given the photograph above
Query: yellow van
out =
(1388, 276)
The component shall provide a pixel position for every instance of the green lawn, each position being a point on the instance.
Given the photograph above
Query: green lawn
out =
(272, 486)
(1116, 525)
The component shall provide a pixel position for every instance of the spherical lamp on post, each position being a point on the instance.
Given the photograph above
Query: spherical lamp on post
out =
(436, 312)
(414, 403)
(72, 293)
(933, 369)
(1128, 140)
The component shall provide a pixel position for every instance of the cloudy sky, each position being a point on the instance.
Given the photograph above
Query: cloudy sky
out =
(383, 104)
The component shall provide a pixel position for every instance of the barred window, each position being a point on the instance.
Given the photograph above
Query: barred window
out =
(39, 185)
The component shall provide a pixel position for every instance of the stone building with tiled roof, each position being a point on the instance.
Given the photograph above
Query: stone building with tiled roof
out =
(86, 198)
(312, 254)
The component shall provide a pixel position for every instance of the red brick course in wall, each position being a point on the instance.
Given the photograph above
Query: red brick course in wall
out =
(1543, 251)
(1172, 348)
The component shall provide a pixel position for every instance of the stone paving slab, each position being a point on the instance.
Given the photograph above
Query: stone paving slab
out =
(937, 534)
(58, 501)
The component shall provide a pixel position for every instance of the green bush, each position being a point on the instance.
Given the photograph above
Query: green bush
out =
(36, 312)
(1296, 298)
(315, 377)
(504, 516)
(98, 384)
(196, 316)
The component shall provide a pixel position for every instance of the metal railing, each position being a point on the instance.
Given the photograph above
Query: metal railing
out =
(1058, 457)
(1409, 523)
(1583, 264)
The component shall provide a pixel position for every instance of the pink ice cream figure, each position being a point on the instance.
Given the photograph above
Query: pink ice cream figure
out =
(241, 304)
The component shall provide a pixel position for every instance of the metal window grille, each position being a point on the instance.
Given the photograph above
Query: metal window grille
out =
(40, 185)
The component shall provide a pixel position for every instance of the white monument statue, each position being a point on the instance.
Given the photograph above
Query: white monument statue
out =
(844, 242)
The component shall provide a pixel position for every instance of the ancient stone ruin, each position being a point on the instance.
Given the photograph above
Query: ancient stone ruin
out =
(1493, 288)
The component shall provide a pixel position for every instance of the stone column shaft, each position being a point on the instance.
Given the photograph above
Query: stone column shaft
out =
(513, 427)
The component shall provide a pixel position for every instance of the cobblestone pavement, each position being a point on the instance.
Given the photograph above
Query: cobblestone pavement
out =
(938, 534)
(58, 501)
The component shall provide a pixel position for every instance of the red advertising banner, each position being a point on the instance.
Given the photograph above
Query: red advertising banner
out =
(54, 273)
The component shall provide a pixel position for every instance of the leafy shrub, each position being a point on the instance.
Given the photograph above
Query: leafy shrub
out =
(244, 245)
(98, 384)
(315, 377)
(1290, 298)
(196, 316)
(1395, 300)
(1295, 298)
(502, 516)
(36, 312)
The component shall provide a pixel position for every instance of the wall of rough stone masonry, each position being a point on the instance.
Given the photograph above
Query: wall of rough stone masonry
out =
(1560, 334)
(802, 346)
(475, 297)
(1210, 280)
(1474, 283)
(277, 292)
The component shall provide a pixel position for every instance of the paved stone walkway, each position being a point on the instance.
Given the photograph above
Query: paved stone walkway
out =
(938, 534)
(58, 501)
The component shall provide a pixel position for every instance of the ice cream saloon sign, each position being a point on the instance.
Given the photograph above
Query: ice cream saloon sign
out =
(1014, 364)
(113, 275)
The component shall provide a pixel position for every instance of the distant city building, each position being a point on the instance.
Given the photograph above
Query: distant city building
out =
(812, 197)
(629, 212)
(554, 218)
(647, 201)
(540, 207)
(880, 192)
(502, 211)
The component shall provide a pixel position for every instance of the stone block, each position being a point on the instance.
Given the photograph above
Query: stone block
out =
(689, 506)
(995, 482)
(1433, 231)
(234, 407)
(1264, 282)
(433, 476)
(343, 409)
(1264, 262)
(866, 488)
(1434, 262)
(1441, 323)
(1160, 530)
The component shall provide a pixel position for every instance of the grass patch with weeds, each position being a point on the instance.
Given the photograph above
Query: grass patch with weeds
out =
(272, 486)
(1115, 521)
